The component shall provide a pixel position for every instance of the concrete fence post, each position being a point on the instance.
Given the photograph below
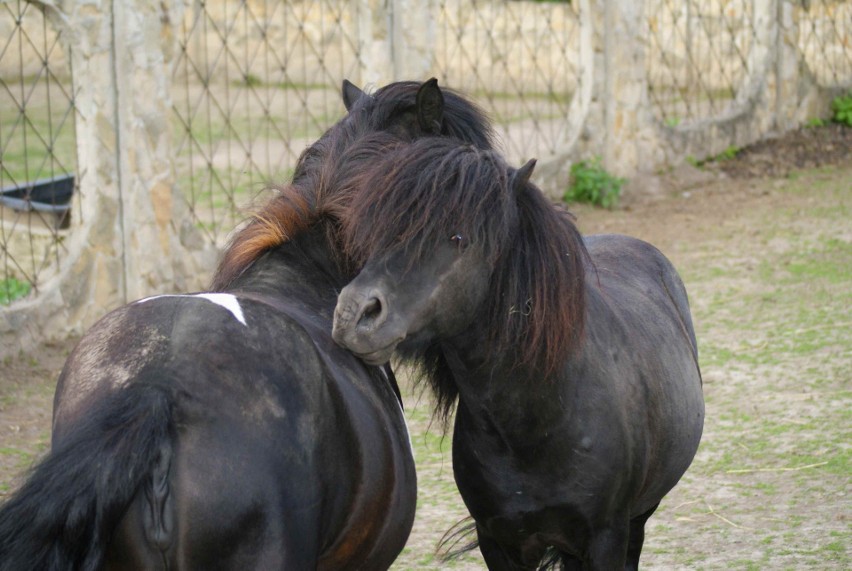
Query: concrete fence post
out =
(626, 136)
(373, 29)
(412, 46)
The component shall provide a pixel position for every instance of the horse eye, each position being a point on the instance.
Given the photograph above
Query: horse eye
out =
(459, 241)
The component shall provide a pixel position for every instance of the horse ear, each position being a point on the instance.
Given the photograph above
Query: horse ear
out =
(522, 176)
(430, 107)
(351, 94)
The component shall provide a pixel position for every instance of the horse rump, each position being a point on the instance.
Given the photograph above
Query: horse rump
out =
(64, 514)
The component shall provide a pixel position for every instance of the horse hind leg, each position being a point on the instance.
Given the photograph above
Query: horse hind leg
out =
(637, 538)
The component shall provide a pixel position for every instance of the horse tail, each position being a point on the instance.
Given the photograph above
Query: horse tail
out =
(64, 514)
(458, 540)
(461, 538)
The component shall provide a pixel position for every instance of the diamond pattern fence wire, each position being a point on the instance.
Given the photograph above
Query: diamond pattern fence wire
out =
(37, 148)
(697, 57)
(825, 39)
(255, 83)
(519, 60)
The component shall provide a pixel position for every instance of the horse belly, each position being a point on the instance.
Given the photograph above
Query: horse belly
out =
(672, 439)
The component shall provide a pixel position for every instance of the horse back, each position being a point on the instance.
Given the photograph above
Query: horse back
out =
(283, 451)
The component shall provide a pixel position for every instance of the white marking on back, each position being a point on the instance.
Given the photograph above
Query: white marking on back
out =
(226, 300)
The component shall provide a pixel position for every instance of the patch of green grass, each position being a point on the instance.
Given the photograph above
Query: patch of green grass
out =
(12, 289)
(592, 183)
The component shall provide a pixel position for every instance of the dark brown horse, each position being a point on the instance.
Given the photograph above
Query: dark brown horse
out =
(225, 429)
(573, 359)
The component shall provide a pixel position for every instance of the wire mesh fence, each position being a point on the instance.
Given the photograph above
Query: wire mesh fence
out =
(825, 39)
(254, 84)
(700, 54)
(519, 60)
(698, 57)
(37, 148)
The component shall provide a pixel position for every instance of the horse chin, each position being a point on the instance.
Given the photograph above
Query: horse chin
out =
(379, 357)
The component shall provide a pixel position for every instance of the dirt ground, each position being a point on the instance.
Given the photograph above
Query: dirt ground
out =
(764, 244)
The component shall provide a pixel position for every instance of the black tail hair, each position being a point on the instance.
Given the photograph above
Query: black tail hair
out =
(458, 540)
(461, 538)
(64, 514)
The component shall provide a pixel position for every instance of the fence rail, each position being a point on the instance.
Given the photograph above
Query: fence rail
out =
(169, 117)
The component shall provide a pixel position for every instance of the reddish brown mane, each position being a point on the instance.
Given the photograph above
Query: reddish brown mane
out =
(284, 216)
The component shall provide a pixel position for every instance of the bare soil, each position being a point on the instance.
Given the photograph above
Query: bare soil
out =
(764, 244)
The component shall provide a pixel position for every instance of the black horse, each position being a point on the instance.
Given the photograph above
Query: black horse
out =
(226, 430)
(573, 360)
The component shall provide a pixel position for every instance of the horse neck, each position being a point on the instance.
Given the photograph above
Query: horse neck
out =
(303, 269)
(497, 387)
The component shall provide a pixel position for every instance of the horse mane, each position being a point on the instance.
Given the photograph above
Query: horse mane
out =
(541, 284)
(329, 170)
(435, 189)
(282, 217)
(336, 165)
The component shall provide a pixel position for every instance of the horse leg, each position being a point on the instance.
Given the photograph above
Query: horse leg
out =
(637, 538)
(608, 547)
(500, 557)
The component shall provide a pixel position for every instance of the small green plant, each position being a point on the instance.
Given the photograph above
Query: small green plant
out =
(590, 182)
(12, 289)
(842, 109)
(727, 154)
(815, 123)
(672, 122)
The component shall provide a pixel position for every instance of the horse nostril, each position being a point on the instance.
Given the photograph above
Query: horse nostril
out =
(370, 313)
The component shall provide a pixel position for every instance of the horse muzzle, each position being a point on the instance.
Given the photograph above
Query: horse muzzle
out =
(361, 325)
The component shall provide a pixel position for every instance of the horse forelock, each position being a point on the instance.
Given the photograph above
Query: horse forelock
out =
(430, 190)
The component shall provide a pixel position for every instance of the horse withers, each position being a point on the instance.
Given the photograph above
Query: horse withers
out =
(573, 360)
(226, 429)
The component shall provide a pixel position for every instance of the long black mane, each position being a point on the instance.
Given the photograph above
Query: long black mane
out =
(328, 170)
(436, 189)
